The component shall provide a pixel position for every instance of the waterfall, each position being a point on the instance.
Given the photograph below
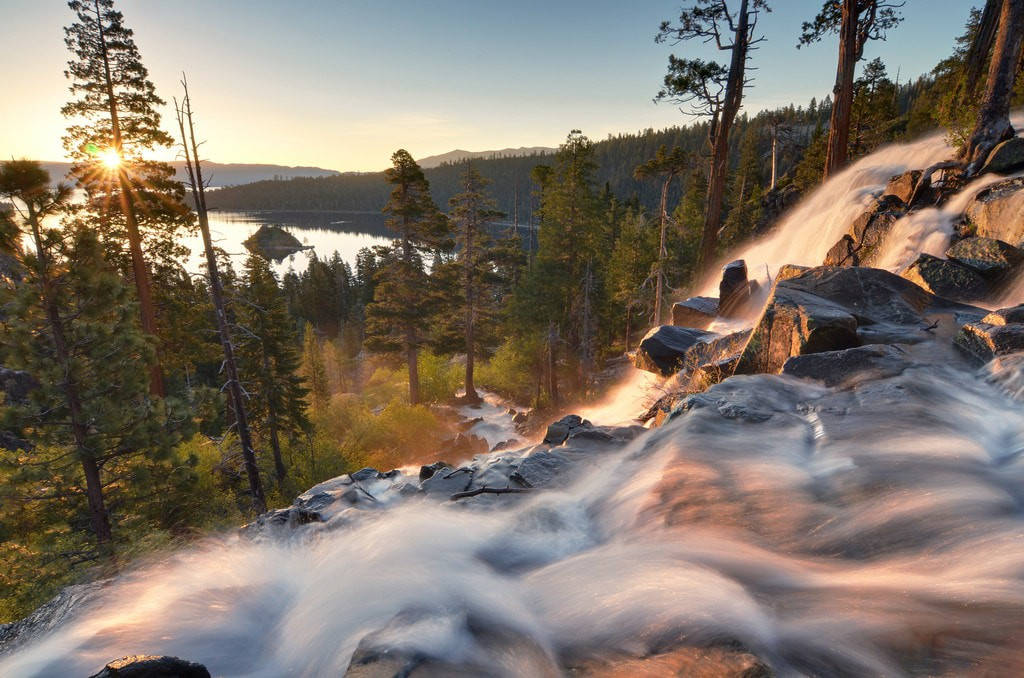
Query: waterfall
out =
(872, 530)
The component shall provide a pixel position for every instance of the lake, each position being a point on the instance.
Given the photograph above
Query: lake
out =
(327, 232)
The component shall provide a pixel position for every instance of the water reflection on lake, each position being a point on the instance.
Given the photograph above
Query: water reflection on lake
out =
(327, 232)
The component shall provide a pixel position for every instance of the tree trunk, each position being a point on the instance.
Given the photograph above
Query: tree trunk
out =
(552, 364)
(842, 92)
(99, 519)
(721, 125)
(236, 395)
(411, 357)
(993, 124)
(470, 255)
(775, 158)
(143, 288)
(662, 255)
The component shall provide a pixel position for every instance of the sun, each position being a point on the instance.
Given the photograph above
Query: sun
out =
(110, 158)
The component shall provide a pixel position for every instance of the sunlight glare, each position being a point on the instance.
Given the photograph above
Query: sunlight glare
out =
(110, 159)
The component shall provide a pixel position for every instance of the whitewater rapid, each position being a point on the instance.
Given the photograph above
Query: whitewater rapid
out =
(872, 530)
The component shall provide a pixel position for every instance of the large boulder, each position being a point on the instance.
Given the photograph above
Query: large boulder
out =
(1006, 316)
(146, 666)
(734, 289)
(697, 312)
(830, 309)
(999, 333)
(869, 230)
(947, 278)
(665, 349)
(852, 365)
(902, 185)
(992, 258)
(1005, 158)
(843, 253)
(998, 212)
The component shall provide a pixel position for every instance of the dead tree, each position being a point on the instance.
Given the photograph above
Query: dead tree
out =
(712, 90)
(236, 393)
(666, 166)
(993, 123)
(856, 21)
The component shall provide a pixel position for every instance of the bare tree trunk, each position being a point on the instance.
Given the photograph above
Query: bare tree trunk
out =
(470, 255)
(412, 357)
(993, 124)
(143, 287)
(99, 519)
(721, 125)
(775, 157)
(235, 392)
(552, 363)
(662, 255)
(587, 363)
(842, 92)
(275, 440)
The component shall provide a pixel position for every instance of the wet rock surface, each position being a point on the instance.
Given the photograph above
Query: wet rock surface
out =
(834, 368)
(947, 278)
(999, 333)
(695, 312)
(1006, 157)
(666, 349)
(998, 212)
(145, 666)
(991, 258)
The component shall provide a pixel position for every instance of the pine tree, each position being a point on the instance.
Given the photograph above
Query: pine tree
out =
(70, 326)
(401, 301)
(270, 359)
(633, 262)
(114, 123)
(314, 370)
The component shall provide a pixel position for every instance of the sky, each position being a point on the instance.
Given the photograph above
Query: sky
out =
(341, 84)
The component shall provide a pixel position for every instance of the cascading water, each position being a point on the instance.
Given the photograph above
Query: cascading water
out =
(868, 530)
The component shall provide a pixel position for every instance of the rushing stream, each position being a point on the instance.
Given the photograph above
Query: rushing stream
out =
(870, 530)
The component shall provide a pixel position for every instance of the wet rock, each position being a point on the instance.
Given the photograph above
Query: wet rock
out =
(992, 258)
(869, 230)
(558, 432)
(902, 185)
(505, 444)
(664, 350)
(734, 289)
(998, 212)
(693, 662)
(430, 469)
(146, 666)
(49, 615)
(947, 278)
(832, 368)
(997, 334)
(696, 312)
(465, 445)
(1006, 157)
(1006, 316)
(448, 481)
(843, 253)
(790, 271)
(830, 309)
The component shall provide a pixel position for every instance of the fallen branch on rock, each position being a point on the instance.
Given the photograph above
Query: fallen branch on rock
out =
(488, 490)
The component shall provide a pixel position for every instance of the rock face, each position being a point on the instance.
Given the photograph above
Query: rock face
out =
(144, 666)
(997, 334)
(859, 246)
(992, 258)
(696, 312)
(273, 242)
(843, 253)
(1005, 158)
(831, 309)
(998, 212)
(852, 365)
(665, 350)
(947, 278)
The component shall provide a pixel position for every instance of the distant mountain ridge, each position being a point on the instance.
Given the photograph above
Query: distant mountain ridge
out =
(458, 155)
(222, 174)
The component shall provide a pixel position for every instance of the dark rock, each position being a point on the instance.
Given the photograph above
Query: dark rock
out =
(874, 361)
(696, 312)
(947, 278)
(542, 468)
(790, 271)
(1006, 316)
(448, 481)
(993, 258)
(869, 230)
(505, 444)
(902, 185)
(1006, 157)
(998, 212)
(145, 666)
(733, 290)
(830, 309)
(366, 474)
(843, 253)
(430, 469)
(48, 616)
(983, 341)
(558, 432)
(665, 350)
(273, 242)
(466, 445)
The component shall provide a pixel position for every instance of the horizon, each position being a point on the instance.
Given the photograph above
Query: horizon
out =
(609, 70)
